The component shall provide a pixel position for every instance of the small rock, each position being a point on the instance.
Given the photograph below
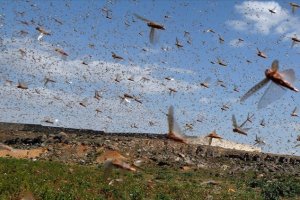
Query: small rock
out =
(185, 168)
(224, 167)
(181, 155)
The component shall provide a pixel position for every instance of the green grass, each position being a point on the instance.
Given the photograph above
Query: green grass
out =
(53, 180)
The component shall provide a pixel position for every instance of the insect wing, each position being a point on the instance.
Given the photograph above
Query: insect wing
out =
(234, 122)
(288, 75)
(275, 65)
(293, 9)
(173, 126)
(245, 129)
(295, 110)
(153, 36)
(141, 18)
(244, 123)
(40, 36)
(171, 119)
(273, 93)
(177, 131)
(255, 89)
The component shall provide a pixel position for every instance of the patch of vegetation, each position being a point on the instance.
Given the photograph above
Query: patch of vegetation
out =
(52, 180)
(285, 187)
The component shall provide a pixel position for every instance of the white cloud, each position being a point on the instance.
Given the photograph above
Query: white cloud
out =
(60, 100)
(257, 18)
(211, 100)
(237, 24)
(46, 62)
(179, 70)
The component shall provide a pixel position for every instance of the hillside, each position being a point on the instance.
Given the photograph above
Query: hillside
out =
(84, 148)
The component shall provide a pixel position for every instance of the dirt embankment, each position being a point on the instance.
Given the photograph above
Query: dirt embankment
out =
(86, 147)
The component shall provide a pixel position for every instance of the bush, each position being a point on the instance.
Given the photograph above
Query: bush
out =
(277, 189)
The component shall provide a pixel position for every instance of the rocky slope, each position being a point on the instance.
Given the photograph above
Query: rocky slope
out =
(86, 147)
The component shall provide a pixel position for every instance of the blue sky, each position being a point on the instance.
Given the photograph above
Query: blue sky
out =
(85, 24)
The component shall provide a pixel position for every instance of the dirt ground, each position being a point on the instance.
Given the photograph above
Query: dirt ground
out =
(86, 148)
